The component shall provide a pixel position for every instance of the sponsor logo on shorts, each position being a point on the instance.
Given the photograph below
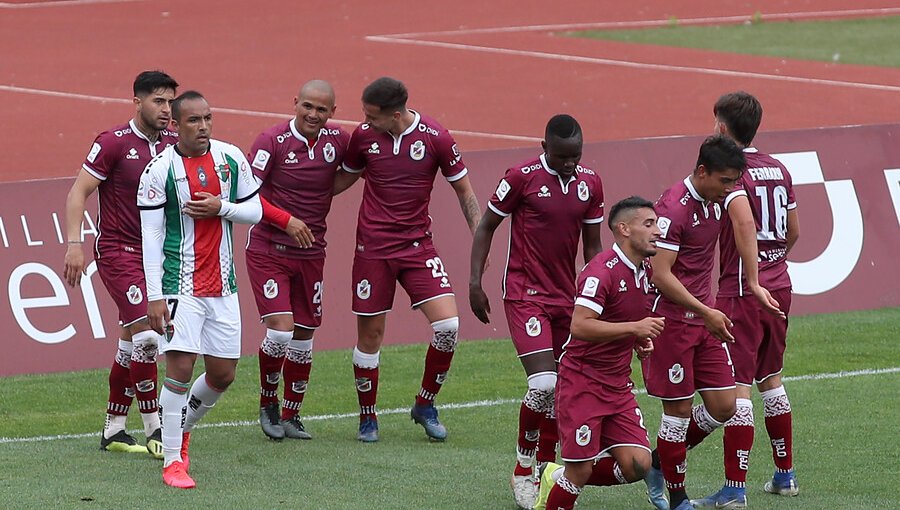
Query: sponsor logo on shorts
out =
(363, 384)
(374, 148)
(676, 373)
(583, 435)
(299, 386)
(270, 289)
(503, 189)
(662, 223)
(445, 283)
(273, 377)
(132, 154)
(583, 192)
(291, 158)
(544, 193)
(417, 150)
(135, 296)
(533, 326)
(95, 150)
(622, 286)
(261, 159)
(145, 385)
(363, 289)
(329, 152)
(590, 286)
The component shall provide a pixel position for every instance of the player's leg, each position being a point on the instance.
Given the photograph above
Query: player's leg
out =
(441, 312)
(560, 320)
(145, 344)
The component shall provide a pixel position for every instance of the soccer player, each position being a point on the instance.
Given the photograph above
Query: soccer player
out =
(553, 201)
(604, 441)
(189, 197)
(113, 166)
(691, 353)
(399, 151)
(762, 218)
(297, 161)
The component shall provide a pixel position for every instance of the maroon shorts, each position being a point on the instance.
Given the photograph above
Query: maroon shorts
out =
(770, 356)
(284, 285)
(537, 327)
(685, 359)
(759, 337)
(592, 419)
(122, 273)
(421, 275)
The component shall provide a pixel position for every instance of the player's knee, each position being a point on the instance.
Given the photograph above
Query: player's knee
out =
(544, 382)
(145, 346)
(723, 412)
(579, 472)
(637, 468)
(371, 334)
(446, 334)
(540, 392)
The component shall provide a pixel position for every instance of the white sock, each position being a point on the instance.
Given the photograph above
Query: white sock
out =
(202, 398)
(114, 423)
(172, 405)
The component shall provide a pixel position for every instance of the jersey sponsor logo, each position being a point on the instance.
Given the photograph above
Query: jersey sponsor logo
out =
(132, 154)
(373, 149)
(676, 373)
(95, 150)
(291, 158)
(685, 198)
(583, 170)
(583, 435)
(583, 192)
(623, 286)
(417, 150)
(123, 132)
(503, 189)
(134, 294)
(591, 284)
(533, 327)
(329, 152)
(544, 192)
(428, 129)
(611, 263)
(270, 289)
(531, 168)
(284, 136)
(363, 289)
(663, 223)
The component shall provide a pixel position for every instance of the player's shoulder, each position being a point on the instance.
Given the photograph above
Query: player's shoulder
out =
(277, 134)
(332, 130)
(527, 170)
(602, 263)
(589, 175)
(429, 126)
(168, 137)
(160, 163)
(115, 136)
(225, 147)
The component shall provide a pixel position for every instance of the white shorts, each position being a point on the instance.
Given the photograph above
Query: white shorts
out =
(204, 325)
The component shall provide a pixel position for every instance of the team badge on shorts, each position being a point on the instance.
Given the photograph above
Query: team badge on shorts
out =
(583, 192)
(583, 435)
(328, 152)
(676, 373)
(135, 296)
(417, 150)
(270, 289)
(533, 326)
(363, 289)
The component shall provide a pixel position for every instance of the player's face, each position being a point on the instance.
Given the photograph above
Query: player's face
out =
(563, 154)
(194, 126)
(379, 120)
(314, 107)
(155, 110)
(643, 232)
(715, 186)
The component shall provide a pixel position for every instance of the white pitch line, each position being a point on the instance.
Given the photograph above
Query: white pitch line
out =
(461, 405)
(237, 111)
(634, 65)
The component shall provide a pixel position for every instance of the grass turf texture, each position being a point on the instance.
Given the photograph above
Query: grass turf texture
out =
(843, 439)
(869, 41)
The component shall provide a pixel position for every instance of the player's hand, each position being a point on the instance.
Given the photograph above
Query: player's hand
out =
(649, 327)
(719, 325)
(478, 300)
(643, 347)
(300, 232)
(766, 301)
(204, 205)
(158, 315)
(74, 264)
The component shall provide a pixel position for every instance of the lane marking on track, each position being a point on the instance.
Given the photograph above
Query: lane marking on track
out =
(238, 111)
(459, 405)
(60, 3)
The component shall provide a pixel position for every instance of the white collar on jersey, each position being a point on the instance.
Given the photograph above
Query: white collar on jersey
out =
(299, 136)
(138, 133)
(563, 185)
(750, 149)
(412, 127)
(639, 272)
(692, 190)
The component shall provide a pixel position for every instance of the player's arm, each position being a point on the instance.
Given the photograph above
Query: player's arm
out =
(344, 179)
(85, 185)
(481, 247)
(153, 224)
(745, 241)
(590, 240)
(793, 228)
(588, 326)
(667, 283)
(468, 202)
(294, 227)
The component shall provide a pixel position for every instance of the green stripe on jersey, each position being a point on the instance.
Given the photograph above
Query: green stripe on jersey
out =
(228, 233)
(172, 261)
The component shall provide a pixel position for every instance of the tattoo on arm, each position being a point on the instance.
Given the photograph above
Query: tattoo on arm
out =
(471, 210)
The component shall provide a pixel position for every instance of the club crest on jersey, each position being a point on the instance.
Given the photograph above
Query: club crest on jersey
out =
(590, 286)
(201, 175)
(545, 192)
(132, 154)
(291, 158)
(533, 326)
(328, 152)
(135, 296)
(676, 373)
(417, 150)
(270, 289)
(583, 435)
(622, 286)
(583, 192)
(363, 289)
(224, 171)
(374, 148)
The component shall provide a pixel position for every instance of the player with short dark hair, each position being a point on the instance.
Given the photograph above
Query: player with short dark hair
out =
(113, 167)
(399, 152)
(762, 221)
(691, 354)
(553, 202)
(601, 428)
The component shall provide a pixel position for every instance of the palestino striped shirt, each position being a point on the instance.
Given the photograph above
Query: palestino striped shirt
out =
(196, 256)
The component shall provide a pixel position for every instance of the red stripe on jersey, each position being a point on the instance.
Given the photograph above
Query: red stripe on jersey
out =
(202, 176)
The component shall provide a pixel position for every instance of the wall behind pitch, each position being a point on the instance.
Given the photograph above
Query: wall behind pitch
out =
(847, 183)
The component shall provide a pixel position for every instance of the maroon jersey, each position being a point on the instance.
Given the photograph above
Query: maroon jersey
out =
(769, 188)
(399, 173)
(690, 226)
(299, 179)
(117, 158)
(547, 216)
(617, 290)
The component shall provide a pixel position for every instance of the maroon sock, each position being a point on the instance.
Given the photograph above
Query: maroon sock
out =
(606, 472)
(737, 442)
(549, 437)
(529, 427)
(672, 450)
(779, 427)
(144, 377)
(297, 366)
(120, 389)
(563, 494)
(269, 376)
(437, 364)
(366, 390)
(701, 426)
